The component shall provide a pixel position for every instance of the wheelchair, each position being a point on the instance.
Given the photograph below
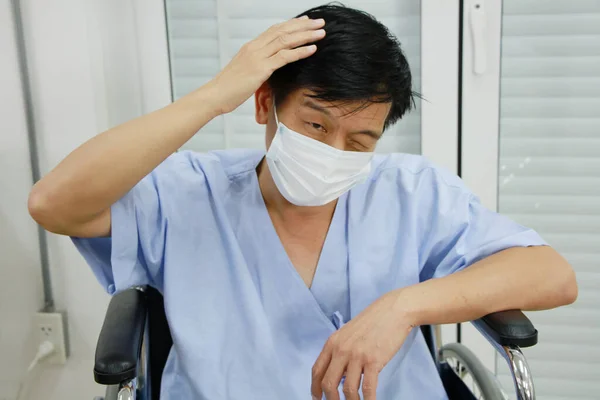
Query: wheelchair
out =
(135, 341)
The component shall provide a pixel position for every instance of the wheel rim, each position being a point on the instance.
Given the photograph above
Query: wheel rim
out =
(465, 375)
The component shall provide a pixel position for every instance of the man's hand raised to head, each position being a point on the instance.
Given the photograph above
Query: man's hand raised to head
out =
(281, 44)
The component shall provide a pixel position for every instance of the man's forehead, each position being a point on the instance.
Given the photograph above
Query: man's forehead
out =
(363, 110)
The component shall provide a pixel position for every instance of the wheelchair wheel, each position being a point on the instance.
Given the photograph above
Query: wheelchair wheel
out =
(470, 370)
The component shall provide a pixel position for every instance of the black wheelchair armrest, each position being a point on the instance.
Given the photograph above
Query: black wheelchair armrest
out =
(120, 341)
(508, 328)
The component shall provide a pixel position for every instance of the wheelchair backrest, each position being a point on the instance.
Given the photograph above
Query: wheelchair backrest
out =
(160, 340)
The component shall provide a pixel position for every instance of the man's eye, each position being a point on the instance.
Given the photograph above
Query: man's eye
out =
(316, 126)
(357, 146)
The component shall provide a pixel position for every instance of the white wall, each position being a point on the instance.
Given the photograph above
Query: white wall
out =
(20, 277)
(84, 76)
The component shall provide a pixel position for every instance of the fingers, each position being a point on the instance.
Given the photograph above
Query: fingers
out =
(318, 372)
(289, 56)
(293, 40)
(285, 43)
(288, 27)
(333, 376)
(352, 381)
(369, 383)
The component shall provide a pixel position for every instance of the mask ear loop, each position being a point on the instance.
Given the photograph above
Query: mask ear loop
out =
(275, 112)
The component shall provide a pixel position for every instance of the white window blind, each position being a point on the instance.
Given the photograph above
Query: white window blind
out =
(550, 173)
(205, 34)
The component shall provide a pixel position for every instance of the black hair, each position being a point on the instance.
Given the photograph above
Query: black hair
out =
(359, 59)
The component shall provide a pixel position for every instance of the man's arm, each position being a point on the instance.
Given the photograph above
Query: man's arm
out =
(523, 278)
(533, 278)
(75, 198)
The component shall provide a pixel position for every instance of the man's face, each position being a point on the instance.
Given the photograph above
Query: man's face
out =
(335, 124)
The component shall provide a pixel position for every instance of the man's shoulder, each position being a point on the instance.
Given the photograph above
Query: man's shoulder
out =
(211, 165)
(412, 172)
(187, 175)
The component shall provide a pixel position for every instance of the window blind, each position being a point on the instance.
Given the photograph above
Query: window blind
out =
(205, 34)
(550, 174)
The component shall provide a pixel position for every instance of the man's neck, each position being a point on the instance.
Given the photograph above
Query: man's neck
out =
(285, 211)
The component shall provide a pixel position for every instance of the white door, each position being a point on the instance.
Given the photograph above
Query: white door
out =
(531, 149)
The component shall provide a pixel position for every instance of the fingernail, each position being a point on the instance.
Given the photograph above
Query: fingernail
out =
(314, 398)
(304, 17)
(318, 22)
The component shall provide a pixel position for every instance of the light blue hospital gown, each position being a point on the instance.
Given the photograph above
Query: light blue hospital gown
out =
(244, 324)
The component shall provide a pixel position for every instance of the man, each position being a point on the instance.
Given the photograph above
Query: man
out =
(305, 270)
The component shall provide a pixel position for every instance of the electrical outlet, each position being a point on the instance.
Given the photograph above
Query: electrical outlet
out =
(52, 326)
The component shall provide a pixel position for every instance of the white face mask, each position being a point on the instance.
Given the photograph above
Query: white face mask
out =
(310, 173)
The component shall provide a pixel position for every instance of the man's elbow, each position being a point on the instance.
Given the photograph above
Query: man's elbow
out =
(43, 210)
(565, 282)
(569, 291)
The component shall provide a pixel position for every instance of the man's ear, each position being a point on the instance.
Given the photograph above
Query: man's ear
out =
(263, 102)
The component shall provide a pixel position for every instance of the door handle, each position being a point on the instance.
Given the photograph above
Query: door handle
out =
(478, 28)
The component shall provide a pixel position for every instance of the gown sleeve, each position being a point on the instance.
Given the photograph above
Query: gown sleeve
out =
(461, 231)
(134, 253)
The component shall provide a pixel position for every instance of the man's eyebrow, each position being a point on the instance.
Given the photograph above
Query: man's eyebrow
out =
(373, 134)
(315, 106)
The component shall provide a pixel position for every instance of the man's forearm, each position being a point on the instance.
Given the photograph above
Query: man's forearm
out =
(533, 278)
